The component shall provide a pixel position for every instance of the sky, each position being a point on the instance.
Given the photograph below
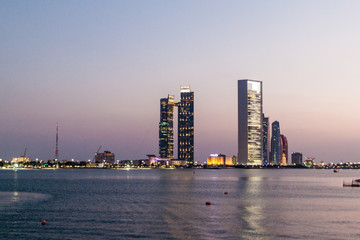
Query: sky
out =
(99, 68)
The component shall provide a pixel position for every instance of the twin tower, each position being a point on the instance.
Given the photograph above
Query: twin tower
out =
(185, 126)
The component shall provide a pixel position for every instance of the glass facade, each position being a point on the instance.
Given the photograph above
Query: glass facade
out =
(265, 137)
(166, 127)
(186, 125)
(276, 153)
(250, 122)
(254, 123)
(284, 150)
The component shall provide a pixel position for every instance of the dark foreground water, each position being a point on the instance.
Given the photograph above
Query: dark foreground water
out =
(170, 204)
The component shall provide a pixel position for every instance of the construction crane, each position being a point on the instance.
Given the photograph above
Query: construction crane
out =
(24, 153)
(96, 153)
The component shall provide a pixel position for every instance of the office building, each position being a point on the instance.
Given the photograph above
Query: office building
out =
(276, 154)
(250, 111)
(284, 150)
(265, 138)
(186, 125)
(166, 127)
(296, 158)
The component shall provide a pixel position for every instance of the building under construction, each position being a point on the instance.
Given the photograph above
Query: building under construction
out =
(105, 157)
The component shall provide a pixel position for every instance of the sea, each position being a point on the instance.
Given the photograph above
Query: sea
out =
(171, 204)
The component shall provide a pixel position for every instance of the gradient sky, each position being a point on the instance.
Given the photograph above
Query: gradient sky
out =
(101, 67)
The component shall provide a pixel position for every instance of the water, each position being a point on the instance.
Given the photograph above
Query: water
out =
(170, 204)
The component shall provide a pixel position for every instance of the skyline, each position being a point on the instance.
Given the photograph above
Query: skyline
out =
(100, 70)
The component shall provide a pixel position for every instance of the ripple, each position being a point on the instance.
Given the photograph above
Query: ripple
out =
(18, 198)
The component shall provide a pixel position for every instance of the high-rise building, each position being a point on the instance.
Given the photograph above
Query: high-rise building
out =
(296, 158)
(265, 138)
(276, 153)
(284, 150)
(250, 105)
(166, 127)
(186, 125)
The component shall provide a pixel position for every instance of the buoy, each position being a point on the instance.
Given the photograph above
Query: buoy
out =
(226, 193)
(207, 203)
(43, 222)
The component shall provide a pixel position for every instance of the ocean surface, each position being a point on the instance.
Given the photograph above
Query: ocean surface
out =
(170, 204)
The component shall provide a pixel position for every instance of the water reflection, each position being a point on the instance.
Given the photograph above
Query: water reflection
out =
(253, 206)
(15, 197)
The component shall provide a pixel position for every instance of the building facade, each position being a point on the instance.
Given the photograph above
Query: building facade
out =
(284, 150)
(276, 153)
(265, 140)
(166, 127)
(250, 110)
(186, 125)
(296, 158)
(105, 157)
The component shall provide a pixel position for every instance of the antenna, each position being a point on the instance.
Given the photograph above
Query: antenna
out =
(57, 142)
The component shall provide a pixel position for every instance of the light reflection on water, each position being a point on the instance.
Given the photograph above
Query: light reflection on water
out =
(161, 204)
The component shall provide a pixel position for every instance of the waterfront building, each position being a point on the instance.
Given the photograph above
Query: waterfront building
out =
(155, 161)
(250, 109)
(105, 157)
(21, 159)
(284, 150)
(296, 158)
(215, 160)
(166, 127)
(186, 125)
(265, 137)
(219, 160)
(276, 153)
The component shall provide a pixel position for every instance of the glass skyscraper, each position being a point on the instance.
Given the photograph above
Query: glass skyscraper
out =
(250, 110)
(166, 127)
(186, 125)
(265, 138)
(276, 153)
(284, 150)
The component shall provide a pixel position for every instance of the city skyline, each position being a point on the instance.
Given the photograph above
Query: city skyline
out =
(99, 69)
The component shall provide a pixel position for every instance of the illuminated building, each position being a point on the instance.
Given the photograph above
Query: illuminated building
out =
(166, 127)
(105, 157)
(21, 159)
(265, 138)
(219, 160)
(296, 158)
(284, 150)
(186, 125)
(276, 153)
(250, 122)
(158, 161)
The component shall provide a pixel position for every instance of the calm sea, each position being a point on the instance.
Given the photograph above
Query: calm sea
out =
(170, 204)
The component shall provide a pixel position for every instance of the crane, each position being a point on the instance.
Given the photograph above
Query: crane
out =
(96, 153)
(24, 153)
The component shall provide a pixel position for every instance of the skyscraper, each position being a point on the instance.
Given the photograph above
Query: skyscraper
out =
(284, 150)
(276, 153)
(166, 127)
(265, 138)
(250, 105)
(186, 125)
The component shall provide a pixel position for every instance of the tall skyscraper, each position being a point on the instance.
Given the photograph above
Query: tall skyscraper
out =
(186, 125)
(166, 127)
(276, 153)
(265, 138)
(284, 150)
(250, 104)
